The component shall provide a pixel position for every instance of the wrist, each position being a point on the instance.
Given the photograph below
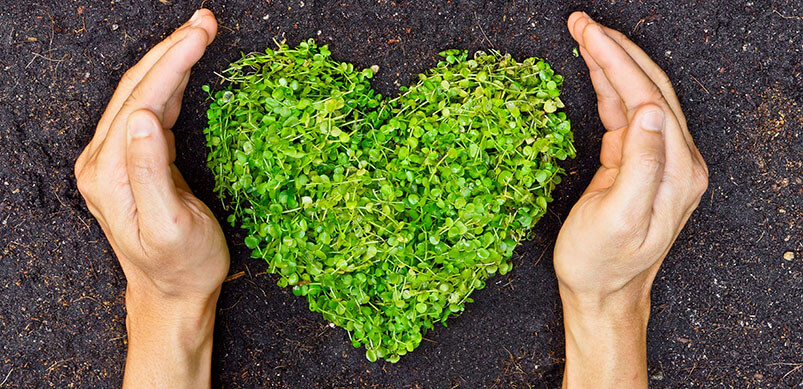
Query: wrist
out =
(171, 296)
(606, 341)
(623, 306)
(168, 332)
(604, 327)
(620, 300)
(184, 323)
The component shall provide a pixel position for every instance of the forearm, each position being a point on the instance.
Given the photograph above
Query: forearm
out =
(606, 347)
(169, 343)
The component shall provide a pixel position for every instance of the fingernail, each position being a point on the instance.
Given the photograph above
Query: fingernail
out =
(590, 19)
(653, 120)
(195, 20)
(139, 127)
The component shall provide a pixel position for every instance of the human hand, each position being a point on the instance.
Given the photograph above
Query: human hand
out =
(651, 179)
(169, 245)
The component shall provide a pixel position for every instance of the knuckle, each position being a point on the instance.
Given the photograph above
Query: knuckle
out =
(662, 80)
(83, 182)
(703, 166)
(655, 92)
(626, 229)
(86, 181)
(130, 104)
(80, 160)
(78, 168)
(138, 99)
(175, 37)
(80, 183)
(169, 234)
(142, 170)
(651, 162)
(129, 77)
(651, 96)
(700, 179)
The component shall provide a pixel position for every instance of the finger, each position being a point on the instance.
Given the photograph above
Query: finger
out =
(578, 20)
(149, 171)
(572, 20)
(156, 89)
(609, 104)
(611, 110)
(170, 138)
(173, 105)
(601, 182)
(634, 86)
(610, 154)
(626, 77)
(643, 159)
(653, 71)
(660, 79)
(167, 75)
(203, 19)
(684, 184)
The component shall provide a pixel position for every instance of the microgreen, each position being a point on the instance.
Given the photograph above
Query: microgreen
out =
(386, 214)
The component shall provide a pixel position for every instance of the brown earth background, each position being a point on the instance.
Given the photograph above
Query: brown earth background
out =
(727, 308)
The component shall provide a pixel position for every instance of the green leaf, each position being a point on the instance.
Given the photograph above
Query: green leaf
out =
(550, 106)
(251, 242)
(385, 214)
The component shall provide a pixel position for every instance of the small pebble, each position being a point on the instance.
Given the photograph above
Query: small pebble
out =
(115, 27)
(788, 255)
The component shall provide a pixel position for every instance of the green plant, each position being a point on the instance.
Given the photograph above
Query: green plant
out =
(386, 214)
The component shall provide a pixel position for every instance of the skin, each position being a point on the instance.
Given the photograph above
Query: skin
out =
(174, 255)
(651, 179)
(169, 244)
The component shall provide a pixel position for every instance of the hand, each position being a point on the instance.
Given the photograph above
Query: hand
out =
(614, 240)
(170, 246)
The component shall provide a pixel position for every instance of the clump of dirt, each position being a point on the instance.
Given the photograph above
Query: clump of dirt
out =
(777, 115)
(771, 142)
(726, 303)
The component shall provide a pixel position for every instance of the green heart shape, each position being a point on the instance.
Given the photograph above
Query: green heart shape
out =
(386, 214)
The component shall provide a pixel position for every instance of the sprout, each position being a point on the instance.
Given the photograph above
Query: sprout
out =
(386, 214)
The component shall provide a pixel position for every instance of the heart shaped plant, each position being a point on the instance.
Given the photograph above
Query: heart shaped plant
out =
(386, 214)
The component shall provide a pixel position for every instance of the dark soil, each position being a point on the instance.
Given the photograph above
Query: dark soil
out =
(726, 305)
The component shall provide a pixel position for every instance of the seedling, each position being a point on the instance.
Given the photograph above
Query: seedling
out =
(386, 214)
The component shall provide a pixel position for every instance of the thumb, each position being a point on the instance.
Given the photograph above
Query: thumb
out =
(148, 166)
(643, 157)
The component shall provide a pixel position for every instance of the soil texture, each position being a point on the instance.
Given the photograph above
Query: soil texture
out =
(727, 308)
